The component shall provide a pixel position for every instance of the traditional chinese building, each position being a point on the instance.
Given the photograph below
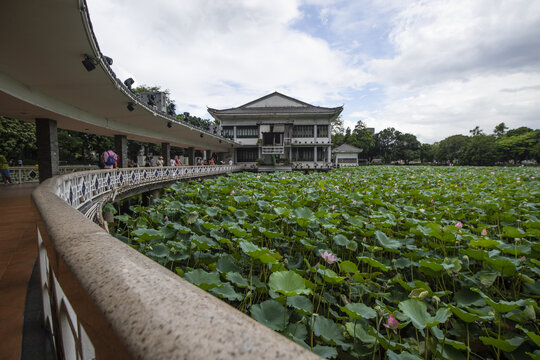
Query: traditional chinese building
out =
(279, 132)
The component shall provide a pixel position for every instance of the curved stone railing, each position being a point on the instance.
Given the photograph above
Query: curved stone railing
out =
(102, 299)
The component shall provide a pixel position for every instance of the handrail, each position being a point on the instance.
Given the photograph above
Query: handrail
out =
(103, 299)
(30, 174)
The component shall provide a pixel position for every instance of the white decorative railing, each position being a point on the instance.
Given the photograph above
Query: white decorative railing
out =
(80, 189)
(30, 174)
(273, 150)
(103, 299)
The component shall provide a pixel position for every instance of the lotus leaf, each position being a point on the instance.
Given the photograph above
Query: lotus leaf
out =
(203, 279)
(327, 352)
(504, 345)
(270, 313)
(359, 311)
(226, 291)
(301, 303)
(288, 283)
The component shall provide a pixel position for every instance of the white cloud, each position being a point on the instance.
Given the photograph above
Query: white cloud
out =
(221, 54)
(455, 107)
(445, 40)
(432, 68)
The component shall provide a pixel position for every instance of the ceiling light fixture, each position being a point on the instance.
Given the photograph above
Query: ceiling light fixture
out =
(89, 63)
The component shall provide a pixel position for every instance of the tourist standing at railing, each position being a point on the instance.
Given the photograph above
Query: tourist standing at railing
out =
(4, 168)
(172, 162)
(159, 161)
(109, 159)
(148, 162)
(230, 162)
(178, 161)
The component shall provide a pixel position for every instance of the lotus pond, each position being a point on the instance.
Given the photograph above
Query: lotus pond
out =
(370, 262)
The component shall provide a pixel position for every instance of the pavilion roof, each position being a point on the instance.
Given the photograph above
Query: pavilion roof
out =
(346, 148)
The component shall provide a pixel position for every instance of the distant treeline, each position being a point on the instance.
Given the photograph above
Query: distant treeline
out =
(503, 146)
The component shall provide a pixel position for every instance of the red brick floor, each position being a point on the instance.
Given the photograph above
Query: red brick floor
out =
(18, 253)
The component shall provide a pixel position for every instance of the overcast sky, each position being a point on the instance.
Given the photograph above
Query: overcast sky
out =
(430, 68)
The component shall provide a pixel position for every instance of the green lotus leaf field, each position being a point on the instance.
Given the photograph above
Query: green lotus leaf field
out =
(372, 262)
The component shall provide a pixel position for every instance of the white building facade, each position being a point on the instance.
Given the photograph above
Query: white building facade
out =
(280, 132)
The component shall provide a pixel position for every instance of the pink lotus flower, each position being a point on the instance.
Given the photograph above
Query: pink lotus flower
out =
(232, 192)
(354, 202)
(333, 207)
(523, 258)
(422, 210)
(241, 189)
(484, 232)
(149, 211)
(199, 179)
(166, 218)
(328, 257)
(432, 201)
(392, 323)
(459, 224)
(322, 190)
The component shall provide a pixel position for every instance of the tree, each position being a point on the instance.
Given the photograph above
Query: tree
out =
(385, 141)
(480, 150)
(476, 131)
(362, 138)
(449, 149)
(500, 130)
(406, 147)
(337, 125)
(518, 145)
(427, 153)
(145, 88)
(18, 138)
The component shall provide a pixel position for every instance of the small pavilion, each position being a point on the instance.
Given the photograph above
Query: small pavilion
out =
(346, 155)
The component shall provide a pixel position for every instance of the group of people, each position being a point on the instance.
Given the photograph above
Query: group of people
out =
(109, 160)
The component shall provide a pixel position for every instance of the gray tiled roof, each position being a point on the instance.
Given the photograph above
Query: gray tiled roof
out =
(306, 108)
(346, 148)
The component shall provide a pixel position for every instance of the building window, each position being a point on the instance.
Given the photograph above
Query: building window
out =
(303, 131)
(302, 154)
(228, 132)
(322, 153)
(322, 131)
(247, 131)
(247, 154)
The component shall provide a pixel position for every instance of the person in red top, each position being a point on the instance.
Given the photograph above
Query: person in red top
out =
(110, 159)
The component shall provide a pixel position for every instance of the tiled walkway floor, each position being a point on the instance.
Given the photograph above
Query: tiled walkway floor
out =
(18, 253)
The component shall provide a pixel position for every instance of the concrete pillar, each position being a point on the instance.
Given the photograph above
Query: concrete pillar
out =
(121, 148)
(191, 155)
(166, 152)
(315, 153)
(315, 135)
(47, 144)
(330, 154)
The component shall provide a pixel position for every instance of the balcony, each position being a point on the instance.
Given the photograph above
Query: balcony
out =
(273, 150)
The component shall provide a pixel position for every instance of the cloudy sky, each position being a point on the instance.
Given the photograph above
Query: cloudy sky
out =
(430, 68)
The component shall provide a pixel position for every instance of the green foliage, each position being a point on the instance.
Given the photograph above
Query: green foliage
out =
(386, 262)
(18, 138)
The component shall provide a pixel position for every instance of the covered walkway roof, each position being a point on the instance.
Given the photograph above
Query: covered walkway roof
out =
(41, 76)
